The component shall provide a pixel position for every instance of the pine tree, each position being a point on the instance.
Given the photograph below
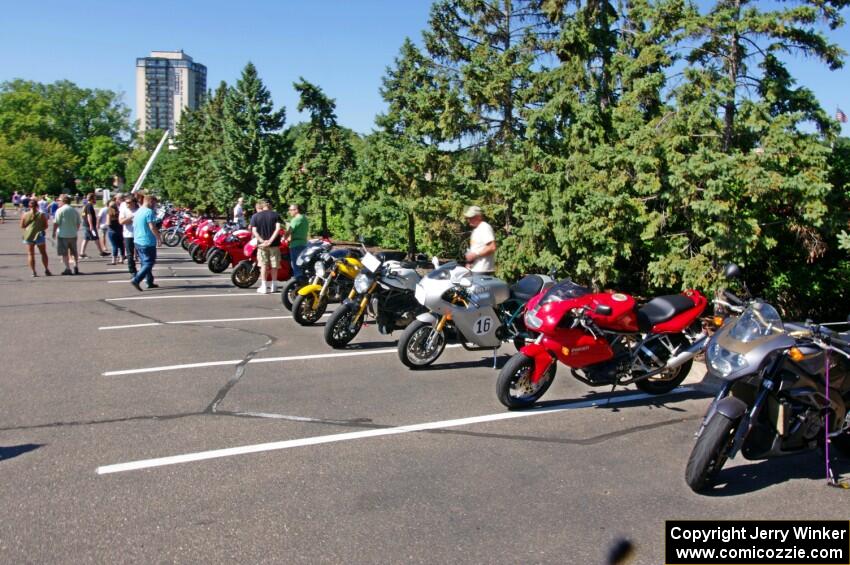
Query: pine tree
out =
(251, 157)
(322, 155)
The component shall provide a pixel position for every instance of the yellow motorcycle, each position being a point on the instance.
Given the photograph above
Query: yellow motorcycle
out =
(333, 281)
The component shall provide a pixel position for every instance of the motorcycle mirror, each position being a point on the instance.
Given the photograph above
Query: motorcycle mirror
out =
(603, 310)
(435, 262)
(732, 271)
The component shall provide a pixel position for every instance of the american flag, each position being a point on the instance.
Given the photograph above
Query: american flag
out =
(840, 116)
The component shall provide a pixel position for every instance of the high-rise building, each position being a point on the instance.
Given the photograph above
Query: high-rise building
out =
(166, 83)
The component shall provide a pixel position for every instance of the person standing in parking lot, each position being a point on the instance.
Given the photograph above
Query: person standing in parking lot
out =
(66, 225)
(146, 238)
(34, 225)
(239, 213)
(481, 256)
(90, 229)
(299, 231)
(125, 217)
(265, 226)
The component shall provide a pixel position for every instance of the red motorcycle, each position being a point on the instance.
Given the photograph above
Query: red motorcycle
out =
(247, 272)
(203, 241)
(606, 339)
(228, 249)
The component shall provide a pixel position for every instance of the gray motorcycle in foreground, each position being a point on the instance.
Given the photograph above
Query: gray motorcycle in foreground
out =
(774, 400)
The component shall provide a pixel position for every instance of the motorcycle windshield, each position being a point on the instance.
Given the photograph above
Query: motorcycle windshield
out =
(444, 272)
(564, 290)
(758, 321)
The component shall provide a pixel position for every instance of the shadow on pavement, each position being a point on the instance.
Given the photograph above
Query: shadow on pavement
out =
(13, 451)
(745, 479)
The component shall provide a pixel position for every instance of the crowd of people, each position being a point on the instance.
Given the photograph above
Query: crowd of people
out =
(129, 240)
(129, 224)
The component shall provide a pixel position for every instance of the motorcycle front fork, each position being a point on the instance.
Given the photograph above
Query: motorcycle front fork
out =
(436, 331)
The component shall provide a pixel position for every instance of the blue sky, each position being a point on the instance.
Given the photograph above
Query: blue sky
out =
(343, 46)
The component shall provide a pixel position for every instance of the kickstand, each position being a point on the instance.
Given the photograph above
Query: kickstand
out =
(495, 349)
(830, 476)
(613, 387)
(831, 481)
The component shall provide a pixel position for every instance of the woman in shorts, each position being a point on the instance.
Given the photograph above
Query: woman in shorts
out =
(34, 224)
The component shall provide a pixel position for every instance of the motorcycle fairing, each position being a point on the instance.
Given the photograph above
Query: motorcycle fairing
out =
(476, 328)
(576, 348)
(428, 318)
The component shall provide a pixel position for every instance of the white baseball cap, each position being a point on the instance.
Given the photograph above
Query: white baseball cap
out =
(473, 211)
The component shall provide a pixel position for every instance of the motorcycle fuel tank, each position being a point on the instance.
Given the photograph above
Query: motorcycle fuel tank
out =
(487, 290)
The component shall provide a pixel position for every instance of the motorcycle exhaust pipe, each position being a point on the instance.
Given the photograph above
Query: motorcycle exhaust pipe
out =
(688, 354)
(675, 361)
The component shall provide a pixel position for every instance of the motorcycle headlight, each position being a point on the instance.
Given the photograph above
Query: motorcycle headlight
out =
(723, 361)
(320, 268)
(531, 319)
(362, 282)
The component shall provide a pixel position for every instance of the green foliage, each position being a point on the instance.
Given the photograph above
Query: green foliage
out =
(51, 121)
(321, 158)
(251, 153)
(33, 164)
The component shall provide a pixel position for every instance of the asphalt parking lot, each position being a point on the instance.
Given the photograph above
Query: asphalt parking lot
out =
(198, 423)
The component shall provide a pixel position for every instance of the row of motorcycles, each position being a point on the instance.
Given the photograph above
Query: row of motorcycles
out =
(774, 399)
(219, 246)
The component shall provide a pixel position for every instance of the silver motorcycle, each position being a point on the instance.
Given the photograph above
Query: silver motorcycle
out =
(479, 311)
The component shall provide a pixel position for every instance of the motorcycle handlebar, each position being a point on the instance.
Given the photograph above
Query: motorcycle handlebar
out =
(732, 298)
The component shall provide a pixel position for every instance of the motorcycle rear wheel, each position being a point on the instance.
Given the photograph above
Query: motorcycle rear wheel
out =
(710, 452)
(245, 274)
(514, 388)
(662, 384)
(171, 238)
(411, 344)
(303, 312)
(199, 256)
(218, 260)
(339, 330)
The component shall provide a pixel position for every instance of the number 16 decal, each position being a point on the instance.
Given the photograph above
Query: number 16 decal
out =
(483, 325)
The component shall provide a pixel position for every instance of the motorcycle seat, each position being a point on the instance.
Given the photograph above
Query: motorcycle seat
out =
(527, 287)
(662, 308)
(385, 256)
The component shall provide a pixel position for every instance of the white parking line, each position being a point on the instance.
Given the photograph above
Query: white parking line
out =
(168, 296)
(333, 438)
(163, 368)
(151, 324)
(162, 279)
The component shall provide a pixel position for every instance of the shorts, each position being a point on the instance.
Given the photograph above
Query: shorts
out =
(38, 241)
(269, 256)
(91, 235)
(65, 244)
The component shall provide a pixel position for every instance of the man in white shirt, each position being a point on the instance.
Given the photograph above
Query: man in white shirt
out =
(481, 256)
(239, 213)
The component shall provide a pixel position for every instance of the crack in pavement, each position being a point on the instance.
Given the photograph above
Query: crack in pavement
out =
(222, 393)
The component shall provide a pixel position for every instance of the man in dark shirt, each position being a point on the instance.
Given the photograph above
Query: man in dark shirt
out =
(90, 226)
(265, 226)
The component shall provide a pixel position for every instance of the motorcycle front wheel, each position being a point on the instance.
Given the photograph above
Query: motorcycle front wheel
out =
(514, 387)
(171, 238)
(413, 348)
(289, 293)
(710, 452)
(303, 312)
(340, 328)
(199, 256)
(245, 274)
(218, 260)
(185, 243)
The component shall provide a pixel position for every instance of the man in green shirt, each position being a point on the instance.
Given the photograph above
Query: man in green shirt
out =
(299, 230)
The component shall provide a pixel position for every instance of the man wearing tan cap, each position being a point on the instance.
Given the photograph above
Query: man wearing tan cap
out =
(481, 255)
